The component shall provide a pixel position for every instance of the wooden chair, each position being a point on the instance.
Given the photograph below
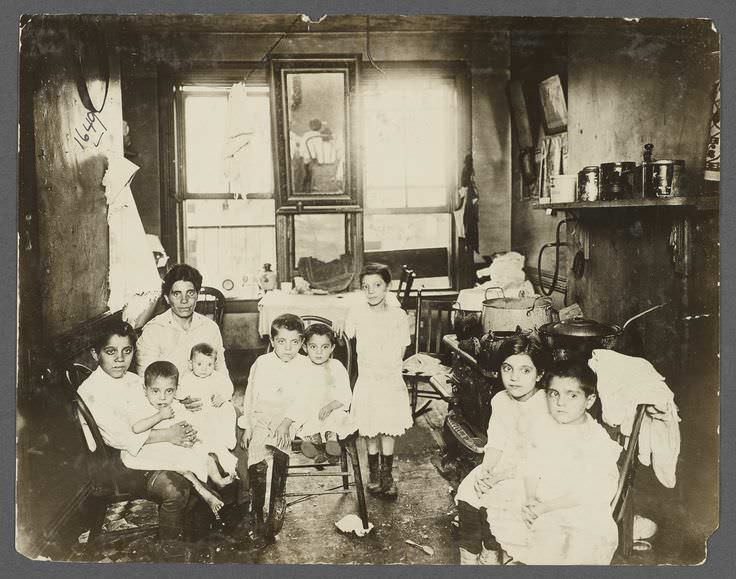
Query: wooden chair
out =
(106, 489)
(406, 281)
(344, 353)
(622, 505)
(211, 303)
(431, 324)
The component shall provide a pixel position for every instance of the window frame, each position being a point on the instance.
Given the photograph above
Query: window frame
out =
(219, 75)
(458, 73)
(216, 74)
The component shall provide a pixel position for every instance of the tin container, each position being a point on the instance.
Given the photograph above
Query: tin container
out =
(616, 180)
(588, 183)
(662, 178)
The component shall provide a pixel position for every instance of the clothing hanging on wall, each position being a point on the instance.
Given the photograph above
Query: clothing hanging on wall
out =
(471, 208)
(552, 160)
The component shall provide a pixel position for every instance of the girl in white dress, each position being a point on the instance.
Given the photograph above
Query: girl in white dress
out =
(380, 406)
(521, 361)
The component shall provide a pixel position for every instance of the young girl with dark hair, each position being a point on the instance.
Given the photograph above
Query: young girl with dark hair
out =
(521, 361)
(380, 407)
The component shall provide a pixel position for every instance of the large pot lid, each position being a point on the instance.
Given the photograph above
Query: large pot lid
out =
(579, 327)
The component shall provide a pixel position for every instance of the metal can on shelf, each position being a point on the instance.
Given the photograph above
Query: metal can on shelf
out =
(588, 183)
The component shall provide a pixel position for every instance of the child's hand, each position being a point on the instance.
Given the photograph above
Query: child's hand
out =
(483, 481)
(338, 326)
(530, 512)
(245, 439)
(192, 404)
(165, 412)
(218, 400)
(282, 435)
(327, 409)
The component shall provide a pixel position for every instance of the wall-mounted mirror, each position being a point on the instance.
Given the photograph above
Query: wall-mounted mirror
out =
(315, 131)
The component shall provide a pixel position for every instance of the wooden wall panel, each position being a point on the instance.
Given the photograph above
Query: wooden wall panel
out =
(74, 252)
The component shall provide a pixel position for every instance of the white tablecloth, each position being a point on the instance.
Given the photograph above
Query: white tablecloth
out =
(334, 307)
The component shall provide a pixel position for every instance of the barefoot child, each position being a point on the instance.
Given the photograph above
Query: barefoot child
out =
(193, 463)
(215, 423)
(326, 398)
(380, 406)
(560, 514)
(274, 383)
(521, 362)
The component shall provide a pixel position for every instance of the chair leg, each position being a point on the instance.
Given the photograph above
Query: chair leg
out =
(344, 466)
(417, 413)
(359, 490)
(414, 395)
(97, 510)
(627, 528)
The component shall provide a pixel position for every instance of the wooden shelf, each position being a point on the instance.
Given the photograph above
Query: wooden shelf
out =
(700, 203)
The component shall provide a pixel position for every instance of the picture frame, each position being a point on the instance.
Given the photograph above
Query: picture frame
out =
(554, 105)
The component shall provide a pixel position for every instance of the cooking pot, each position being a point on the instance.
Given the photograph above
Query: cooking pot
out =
(507, 314)
(578, 337)
(466, 323)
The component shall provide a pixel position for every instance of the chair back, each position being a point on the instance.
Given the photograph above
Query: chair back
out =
(433, 321)
(211, 303)
(627, 470)
(406, 281)
(343, 347)
(101, 455)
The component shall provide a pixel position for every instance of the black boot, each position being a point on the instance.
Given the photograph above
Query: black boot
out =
(277, 503)
(257, 476)
(374, 469)
(388, 486)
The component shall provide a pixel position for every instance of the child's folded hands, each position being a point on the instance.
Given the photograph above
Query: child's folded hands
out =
(217, 400)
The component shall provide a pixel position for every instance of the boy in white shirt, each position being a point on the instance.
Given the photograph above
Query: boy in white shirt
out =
(273, 387)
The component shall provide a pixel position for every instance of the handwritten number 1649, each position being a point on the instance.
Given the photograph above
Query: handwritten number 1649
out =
(89, 126)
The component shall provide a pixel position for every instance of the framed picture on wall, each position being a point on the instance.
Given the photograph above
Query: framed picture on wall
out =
(554, 106)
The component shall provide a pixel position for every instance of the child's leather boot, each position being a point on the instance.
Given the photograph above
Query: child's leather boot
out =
(388, 485)
(374, 470)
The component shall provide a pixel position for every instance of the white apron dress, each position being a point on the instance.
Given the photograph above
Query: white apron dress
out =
(380, 399)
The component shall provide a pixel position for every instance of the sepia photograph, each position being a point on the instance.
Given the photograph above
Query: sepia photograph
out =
(368, 289)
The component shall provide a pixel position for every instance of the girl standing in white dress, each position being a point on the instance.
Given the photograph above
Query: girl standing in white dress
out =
(380, 408)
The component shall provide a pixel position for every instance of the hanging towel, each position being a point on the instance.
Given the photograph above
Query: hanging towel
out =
(135, 284)
(624, 382)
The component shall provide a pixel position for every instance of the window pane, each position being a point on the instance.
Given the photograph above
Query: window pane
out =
(204, 140)
(230, 240)
(320, 237)
(227, 140)
(410, 143)
(419, 240)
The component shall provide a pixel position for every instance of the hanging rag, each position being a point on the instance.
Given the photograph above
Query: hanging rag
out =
(471, 209)
(624, 382)
(459, 213)
(135, 284)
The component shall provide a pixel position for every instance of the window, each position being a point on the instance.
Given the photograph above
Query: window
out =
(411, 152)
(226, 184)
